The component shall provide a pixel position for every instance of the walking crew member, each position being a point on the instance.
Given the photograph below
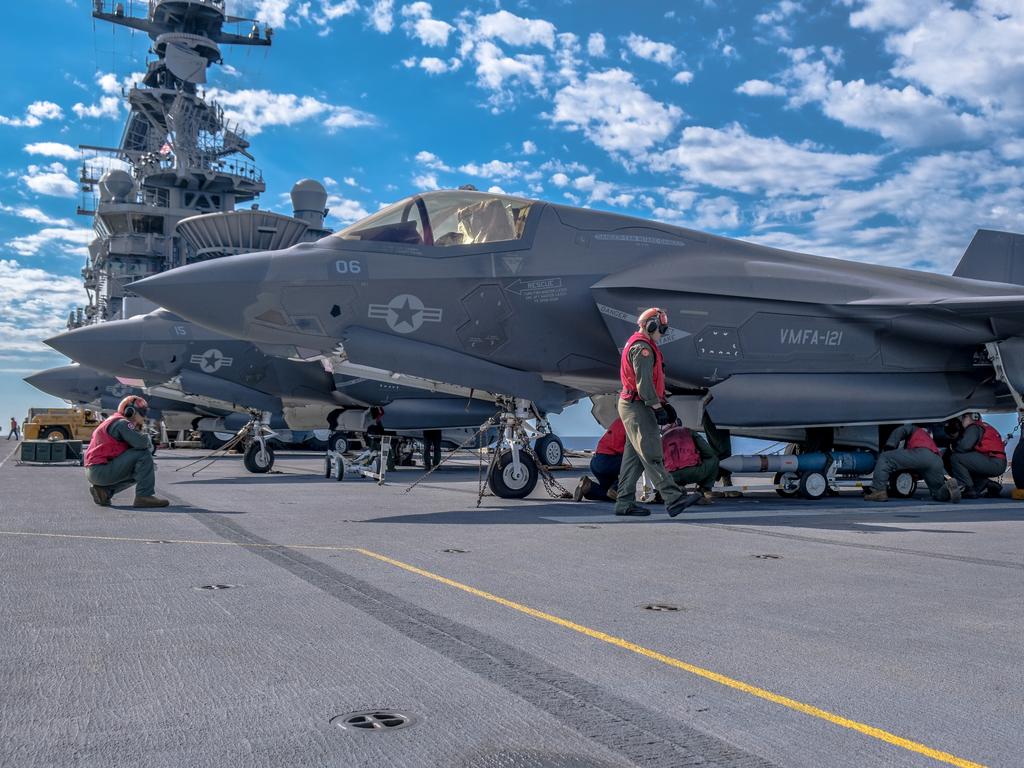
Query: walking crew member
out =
(642, 372)
(605, 465)
(120, 455)
(978, 456)
(689, 458)
(919, 454)
(14, 430)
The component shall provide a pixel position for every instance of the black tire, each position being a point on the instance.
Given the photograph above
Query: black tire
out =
(337, 442)
(813, 485)
(550, 450)
(332, 471)
(504, 484)
(903, 484)
(210, 441)
(784, 493)
(54, 433)
(254, 462)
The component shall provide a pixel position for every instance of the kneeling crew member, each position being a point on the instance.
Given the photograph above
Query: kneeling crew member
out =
(919, 454)
(120, 455)
(689, 458)
(641, 370)
(977, 457)
(605, 465)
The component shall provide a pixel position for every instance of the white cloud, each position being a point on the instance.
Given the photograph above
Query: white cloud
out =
(495, 169)
(35, 215)
(27, 314)
(107, 106)
(72, 241)
(345, 211)
(432, 161)
(614, 112)
(501, 74)
(560, 180)
(529, 148)
(907, 116)
(879, 14)
(51, 180)
(35, 114)
(382, 15)
(255, 110)
(731, 158)
(515, 30)
(434, 66)
(272, 12)
(683, 78)
(596, 44)
(760, 88)
(651, 50)
(425, 181)
(421, 25)
(52, 149)
(778, 12)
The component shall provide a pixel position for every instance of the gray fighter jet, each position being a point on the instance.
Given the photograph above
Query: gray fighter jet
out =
(173, 356)
(533, 300)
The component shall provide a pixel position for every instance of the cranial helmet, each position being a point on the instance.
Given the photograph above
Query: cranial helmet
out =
(131, 405)
(653, 319)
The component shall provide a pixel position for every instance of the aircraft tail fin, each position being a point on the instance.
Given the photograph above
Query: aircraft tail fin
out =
(994, 256)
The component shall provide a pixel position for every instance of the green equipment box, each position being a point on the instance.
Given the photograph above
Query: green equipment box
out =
(52, 451)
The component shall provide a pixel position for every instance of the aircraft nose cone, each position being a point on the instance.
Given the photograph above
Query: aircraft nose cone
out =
(214, 293)
(91, 346)
(53, 381)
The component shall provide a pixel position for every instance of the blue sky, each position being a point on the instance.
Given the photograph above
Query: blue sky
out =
(883, 131)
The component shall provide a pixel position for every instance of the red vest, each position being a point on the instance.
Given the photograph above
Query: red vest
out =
(679, 449)
(103, 447)
(613, 443)
(921, 438)
(628, 375)
(990, 444)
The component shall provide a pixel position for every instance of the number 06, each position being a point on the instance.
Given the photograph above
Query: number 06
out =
(353, 267)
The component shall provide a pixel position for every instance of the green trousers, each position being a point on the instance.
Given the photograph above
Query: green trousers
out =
(133, 467)
(642, 454)
(702, 475)
(922, 461)
(973, 469)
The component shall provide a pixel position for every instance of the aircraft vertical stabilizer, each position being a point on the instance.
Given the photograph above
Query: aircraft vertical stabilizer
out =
(994, 256)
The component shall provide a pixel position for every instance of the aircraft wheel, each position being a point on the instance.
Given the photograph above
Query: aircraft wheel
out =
(327, 467)
(791, 481)
(903, 485)
(334, 470)
(550, 450)
(813, 485)
(54, 433)
(337, 442)
(506, 483)
(257, 460)
(210, 440)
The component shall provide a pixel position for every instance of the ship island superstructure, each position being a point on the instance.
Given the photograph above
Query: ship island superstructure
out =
(167, 194)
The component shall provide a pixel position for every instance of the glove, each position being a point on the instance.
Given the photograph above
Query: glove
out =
(662, 416)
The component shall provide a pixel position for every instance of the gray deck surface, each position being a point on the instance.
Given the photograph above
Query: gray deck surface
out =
(906, 617)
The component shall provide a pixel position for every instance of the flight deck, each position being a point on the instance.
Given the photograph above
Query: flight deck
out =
(287, 619)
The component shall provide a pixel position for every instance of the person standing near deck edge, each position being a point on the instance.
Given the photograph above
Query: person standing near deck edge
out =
(641, 370)
(120, 455)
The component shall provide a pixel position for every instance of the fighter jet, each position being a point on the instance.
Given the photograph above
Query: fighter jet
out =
(533, 300)
(173, 356)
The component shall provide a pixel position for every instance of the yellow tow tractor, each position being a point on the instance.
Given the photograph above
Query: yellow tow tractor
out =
(60, 424)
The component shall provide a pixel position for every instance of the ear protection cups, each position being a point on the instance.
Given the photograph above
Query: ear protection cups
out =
(132, 406)
(654, 319)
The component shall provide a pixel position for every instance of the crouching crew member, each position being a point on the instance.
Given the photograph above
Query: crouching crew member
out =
(918, 454)
(120, 455)
(605, 465)
(641, 370)
(689, 458)
(978, 456)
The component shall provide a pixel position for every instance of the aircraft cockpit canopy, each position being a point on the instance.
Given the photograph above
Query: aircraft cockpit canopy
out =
(445, 218)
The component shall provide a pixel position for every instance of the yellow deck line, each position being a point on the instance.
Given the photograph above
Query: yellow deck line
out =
(753, 690)
(761, 693)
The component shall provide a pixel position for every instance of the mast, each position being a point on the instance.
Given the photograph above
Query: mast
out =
(178, 155)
